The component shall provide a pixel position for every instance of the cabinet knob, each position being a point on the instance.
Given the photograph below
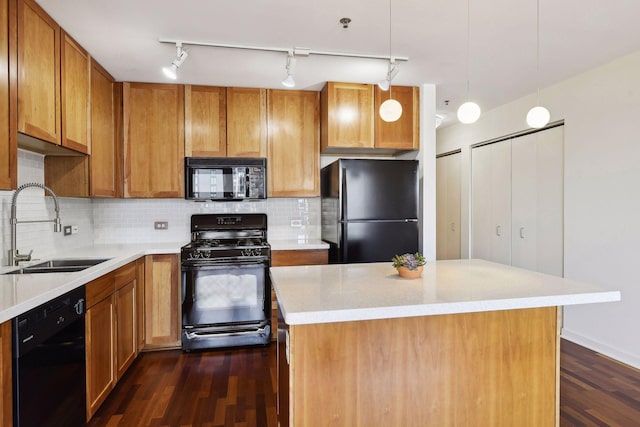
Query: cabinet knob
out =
(498, 230)
(453, 226)
(522, 232)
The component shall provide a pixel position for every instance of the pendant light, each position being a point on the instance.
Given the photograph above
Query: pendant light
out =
(469, 112)
(390, 110)
(538, 116)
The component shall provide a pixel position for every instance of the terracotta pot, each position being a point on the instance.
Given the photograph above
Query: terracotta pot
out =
(405, 273)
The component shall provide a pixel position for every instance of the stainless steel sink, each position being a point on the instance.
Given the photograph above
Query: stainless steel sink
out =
(66, 265)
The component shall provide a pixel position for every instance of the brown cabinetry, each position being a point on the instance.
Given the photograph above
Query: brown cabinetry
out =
(162, 301)
(75, 85)
(111, 332)
(153, 118)
(246, 122)
(38, 73)
(8, 105)
(350, 122)
(293, 155)
(6, 362)
(140, 303)
(205, 114)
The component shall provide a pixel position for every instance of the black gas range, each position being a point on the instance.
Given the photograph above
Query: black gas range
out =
(226, 294)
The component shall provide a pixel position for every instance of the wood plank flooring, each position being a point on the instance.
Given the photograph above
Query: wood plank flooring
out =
(237, 388)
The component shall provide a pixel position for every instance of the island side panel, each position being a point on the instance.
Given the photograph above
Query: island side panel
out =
(496, 368)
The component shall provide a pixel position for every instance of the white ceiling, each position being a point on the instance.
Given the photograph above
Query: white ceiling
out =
(575, 35)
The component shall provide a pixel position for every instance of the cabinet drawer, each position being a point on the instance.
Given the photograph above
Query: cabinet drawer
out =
(125, 275)
(281, 258)
(99, 289)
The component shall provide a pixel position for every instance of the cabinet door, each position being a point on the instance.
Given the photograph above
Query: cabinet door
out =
(104, 178)
(100, 341)
(205, 121)
(491, 202)
(153, 140)
(448, 206)
(294, 145)
(6, 363)
(140, 303)
(404, 133)
(75, 75)
(126, 331)
(38, 73)
(246, 122)
(162, 301)
(8, 132)
(347, 116)
(537, 200)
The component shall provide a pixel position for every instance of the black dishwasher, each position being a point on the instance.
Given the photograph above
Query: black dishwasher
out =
(49, 363)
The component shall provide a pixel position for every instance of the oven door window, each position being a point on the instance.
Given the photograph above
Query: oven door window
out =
(223, 294)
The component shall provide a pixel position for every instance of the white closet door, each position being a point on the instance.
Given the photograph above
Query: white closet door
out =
(537, 192)
(491, 202)
(448, 206)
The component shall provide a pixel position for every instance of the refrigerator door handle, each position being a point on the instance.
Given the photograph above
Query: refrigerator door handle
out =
(343, 207)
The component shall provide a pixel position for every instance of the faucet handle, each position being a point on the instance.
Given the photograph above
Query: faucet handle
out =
(22, 257)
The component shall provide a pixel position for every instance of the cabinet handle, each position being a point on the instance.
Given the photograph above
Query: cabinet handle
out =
(522, 232)
(453, 226)
(498, 230)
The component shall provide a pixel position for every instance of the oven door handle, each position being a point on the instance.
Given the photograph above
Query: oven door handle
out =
(220, 266)
(209, 334)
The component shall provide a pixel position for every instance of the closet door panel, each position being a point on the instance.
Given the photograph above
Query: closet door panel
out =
(501, 202)
(448, 206)
(524, 202)
(481, 221)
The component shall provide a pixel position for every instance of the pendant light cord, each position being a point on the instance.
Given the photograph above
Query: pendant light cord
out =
(389, 47)
(537, 52)
(468, 45)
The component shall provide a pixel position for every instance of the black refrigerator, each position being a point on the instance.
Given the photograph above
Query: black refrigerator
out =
(369, 209)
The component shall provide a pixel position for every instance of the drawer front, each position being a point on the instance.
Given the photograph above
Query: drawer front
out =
(99, 289)
(125, 274)
(281, 258)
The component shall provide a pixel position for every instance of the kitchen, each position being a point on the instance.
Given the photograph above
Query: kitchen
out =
(120, 220)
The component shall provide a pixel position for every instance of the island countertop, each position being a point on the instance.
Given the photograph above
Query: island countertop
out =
(349, 292)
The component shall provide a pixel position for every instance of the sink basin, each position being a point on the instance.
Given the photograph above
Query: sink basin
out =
(67, 265)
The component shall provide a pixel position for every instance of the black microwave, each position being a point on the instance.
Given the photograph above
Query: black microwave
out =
(225, 178)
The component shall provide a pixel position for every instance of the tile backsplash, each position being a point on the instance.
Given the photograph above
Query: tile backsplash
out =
(106, 221)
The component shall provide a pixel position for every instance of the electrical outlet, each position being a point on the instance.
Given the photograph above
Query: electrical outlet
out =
(67, 230)
(296, 223)
(161, 225)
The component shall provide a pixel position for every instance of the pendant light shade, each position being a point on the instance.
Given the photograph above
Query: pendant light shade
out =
(538, 117)
(390, 110)
(469, 112)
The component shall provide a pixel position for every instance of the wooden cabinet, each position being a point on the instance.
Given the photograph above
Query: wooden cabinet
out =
(75, 86)
(153, 116)
(140, 304)
(162, 301)
(347, 117)
(111, 332)
(8, 93)
(205, 126)
(38, 73)
(6, 363)
(404, 133)
(448, 206)
(293, 129)
(246, 122)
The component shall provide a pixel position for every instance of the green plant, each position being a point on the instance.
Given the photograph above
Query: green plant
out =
(411, 261)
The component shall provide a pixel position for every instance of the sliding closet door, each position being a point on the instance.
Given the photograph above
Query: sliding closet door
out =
(537, 201)
(448, 206)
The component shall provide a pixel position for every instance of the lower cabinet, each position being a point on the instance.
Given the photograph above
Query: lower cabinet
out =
(6, 401)
(281, 258)
(162, 301)
(111, 332)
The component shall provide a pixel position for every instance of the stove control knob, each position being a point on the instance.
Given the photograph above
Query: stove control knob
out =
(206, 254)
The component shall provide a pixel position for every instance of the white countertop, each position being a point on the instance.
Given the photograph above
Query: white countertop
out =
(296, 245)
(22, 292)
(348, 292)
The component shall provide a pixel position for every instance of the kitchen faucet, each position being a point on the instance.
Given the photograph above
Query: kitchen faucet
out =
(14, 256)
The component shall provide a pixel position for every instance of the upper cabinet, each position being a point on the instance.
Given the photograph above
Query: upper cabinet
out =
(8, 133)
(347, 117)
(246, 122)
(205, 113)
(351, 123)
(293, 160)
(404, 133)
(75, 72)
(153, 120)
(38, 73)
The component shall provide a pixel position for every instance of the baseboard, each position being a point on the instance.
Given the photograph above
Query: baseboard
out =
(604, 349)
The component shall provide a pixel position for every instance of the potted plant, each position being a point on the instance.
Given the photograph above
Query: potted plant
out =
(409, 265)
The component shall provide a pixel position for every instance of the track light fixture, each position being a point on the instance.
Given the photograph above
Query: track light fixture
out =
(391, 73)
(291, 65)
(172, 70)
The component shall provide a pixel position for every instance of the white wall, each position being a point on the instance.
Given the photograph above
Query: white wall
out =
(601, 111)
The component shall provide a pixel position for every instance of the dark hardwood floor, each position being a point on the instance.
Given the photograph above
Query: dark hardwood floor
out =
(237, 388)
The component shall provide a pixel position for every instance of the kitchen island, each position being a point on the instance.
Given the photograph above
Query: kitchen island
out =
(469, 343)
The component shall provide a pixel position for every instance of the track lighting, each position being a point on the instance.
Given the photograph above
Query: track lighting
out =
(291, 65)
(391, 73)
(172, 70)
